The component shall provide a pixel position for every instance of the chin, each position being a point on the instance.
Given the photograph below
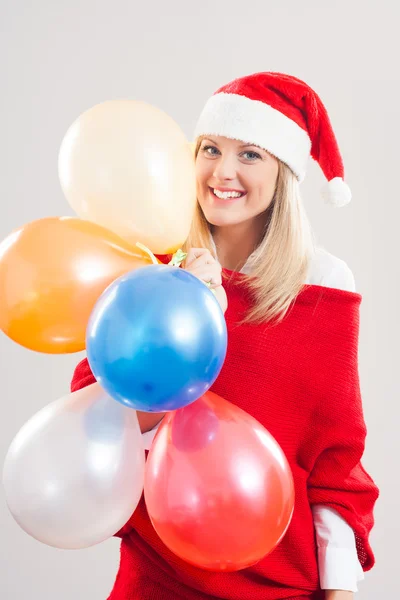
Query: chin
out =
(219, 219)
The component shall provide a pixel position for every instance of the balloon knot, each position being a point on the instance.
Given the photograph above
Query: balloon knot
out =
(178, 258)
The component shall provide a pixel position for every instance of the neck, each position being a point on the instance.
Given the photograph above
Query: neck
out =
(235, 243)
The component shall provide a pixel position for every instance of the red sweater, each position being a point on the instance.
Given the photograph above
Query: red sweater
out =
(300, 380)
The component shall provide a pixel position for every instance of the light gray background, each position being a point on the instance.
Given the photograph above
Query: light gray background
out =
(60, 58)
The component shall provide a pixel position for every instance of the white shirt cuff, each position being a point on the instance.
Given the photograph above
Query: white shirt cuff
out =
(338, 570)
(338, 564)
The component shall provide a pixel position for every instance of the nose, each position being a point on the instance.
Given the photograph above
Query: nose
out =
(225, 168)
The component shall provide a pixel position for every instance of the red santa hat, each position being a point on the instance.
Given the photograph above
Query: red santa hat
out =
(283, 115)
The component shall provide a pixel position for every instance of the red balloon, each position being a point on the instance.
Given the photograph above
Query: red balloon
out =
(223, 499)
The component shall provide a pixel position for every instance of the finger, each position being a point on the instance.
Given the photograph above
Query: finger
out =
(202, 264)
(197, 253)
(210, 276)
(205, 260)
(205, 267)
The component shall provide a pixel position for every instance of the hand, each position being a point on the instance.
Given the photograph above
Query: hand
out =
(203, 265)
(200, 263)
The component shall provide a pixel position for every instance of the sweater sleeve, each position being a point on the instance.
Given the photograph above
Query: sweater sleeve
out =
(343, 484)
(82, 377)
(337, 478)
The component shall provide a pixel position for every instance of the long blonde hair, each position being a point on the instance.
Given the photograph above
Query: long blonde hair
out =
(280, 263)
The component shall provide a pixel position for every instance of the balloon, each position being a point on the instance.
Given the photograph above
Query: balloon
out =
(156, 339)
(127, 165)
(52, 271)
(194, 429)
(224, 501)
(74, 473)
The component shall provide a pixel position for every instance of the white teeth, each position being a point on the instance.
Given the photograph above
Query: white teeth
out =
(225, 195)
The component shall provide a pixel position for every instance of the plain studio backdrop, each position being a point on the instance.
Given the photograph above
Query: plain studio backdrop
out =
(60, 58)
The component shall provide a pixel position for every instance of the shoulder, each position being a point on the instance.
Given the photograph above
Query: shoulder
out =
(330, 271)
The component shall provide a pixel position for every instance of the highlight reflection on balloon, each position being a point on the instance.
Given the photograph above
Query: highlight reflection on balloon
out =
(52, 271)
(127, 165)
(74, 473)
(223, 500)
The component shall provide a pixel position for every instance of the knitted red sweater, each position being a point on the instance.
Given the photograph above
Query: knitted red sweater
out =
(300, 380)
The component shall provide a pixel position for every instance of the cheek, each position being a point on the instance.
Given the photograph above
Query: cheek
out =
(260, 191)
(202, 170)
(263, 186)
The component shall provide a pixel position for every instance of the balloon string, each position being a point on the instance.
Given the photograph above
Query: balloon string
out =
(149, 252)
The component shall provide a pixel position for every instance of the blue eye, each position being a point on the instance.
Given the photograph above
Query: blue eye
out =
(254, 155)
(206, 148)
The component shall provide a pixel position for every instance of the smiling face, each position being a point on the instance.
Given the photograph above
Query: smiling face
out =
(235, 181)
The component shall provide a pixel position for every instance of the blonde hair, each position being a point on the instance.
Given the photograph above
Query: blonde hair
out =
(280, 263)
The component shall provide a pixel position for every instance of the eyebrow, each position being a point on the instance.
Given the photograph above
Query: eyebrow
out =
(241, 146)
(210, 140)
(254, 146)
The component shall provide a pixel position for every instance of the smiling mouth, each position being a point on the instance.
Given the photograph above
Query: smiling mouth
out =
(231, 195)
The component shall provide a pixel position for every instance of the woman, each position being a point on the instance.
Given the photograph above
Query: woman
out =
(292, 315)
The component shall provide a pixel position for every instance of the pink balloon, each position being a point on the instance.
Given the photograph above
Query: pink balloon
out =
(218, 487)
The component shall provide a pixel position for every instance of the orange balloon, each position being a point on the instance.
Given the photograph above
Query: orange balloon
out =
(52, 271)
(218, 487)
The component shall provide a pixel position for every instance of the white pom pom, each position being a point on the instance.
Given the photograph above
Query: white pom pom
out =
(336, 192)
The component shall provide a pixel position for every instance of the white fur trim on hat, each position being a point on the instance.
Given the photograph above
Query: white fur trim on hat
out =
(254, 122)
(336, 192)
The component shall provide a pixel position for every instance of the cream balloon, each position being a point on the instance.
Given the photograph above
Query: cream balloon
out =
(74, 473)
(127, 166)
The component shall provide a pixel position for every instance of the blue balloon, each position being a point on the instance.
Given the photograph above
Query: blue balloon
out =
(156, 339)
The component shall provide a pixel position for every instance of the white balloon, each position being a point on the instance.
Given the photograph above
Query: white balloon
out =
(127, 165)
(74, 473)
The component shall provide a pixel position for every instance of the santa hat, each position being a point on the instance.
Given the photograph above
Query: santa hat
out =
(283, 115)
